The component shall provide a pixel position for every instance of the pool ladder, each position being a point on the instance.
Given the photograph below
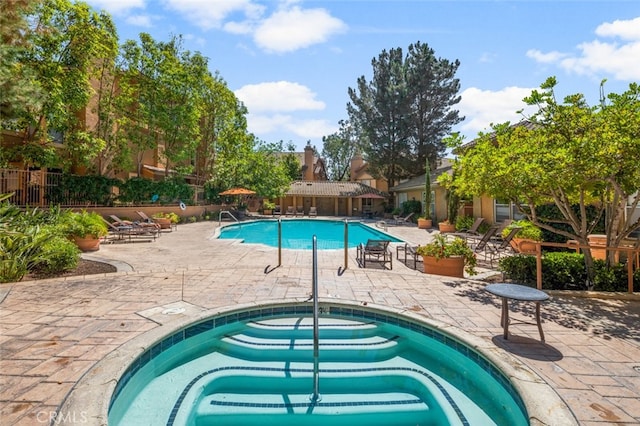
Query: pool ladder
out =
(315, 396)
(228, 213)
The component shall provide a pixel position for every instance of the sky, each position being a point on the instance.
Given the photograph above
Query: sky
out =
(292, 62)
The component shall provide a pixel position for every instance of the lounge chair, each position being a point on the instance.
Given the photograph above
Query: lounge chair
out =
(401, 220)
(495, 249)
(376, 251)
(137, 227)
(479, 244)
(125, 233)
(290, 211)
(313, 211)
(410, 254)
(300, 211)
(472, 231)
(147, 219)
(277, 211)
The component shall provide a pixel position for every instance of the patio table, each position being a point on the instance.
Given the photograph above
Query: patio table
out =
(518, 292)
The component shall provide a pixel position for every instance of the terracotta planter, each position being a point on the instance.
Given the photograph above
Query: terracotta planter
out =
(88, 243)
(164, 222)
(447, 266)
(425, 223)
(523, 245)
(446, 227)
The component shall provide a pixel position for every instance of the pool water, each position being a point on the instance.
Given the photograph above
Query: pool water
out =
(298, 233)
(257, 367)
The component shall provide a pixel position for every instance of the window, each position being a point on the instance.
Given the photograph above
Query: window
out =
(433, 203)
(504, 209)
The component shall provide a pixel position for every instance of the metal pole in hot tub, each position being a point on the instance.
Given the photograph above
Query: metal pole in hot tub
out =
(315, 397)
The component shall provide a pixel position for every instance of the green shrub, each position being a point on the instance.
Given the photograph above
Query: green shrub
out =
(412, 206)
(57, 255)
(613, 278)
(566, 271)
(563, 271)
(529, 231)
(520, 268)
(464, 222)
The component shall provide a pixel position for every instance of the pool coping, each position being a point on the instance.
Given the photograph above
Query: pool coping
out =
(91, 395)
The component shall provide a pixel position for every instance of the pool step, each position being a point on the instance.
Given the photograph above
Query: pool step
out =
(328, 328)
(370, 399)
(292, 338)
(240, 393)
(301, 350)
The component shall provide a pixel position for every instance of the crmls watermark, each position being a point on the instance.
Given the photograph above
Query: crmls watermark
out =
(56, 418)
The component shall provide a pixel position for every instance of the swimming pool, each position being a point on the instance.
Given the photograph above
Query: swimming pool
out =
(298, 233)
(255, 366)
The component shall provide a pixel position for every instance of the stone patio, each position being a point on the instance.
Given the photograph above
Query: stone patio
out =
(54, 331)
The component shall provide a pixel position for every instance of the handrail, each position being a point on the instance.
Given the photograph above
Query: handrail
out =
(576, 246)
(346, 244)
(315, 396)
(228, 213)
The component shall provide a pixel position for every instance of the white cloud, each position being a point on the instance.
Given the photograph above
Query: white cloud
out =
(545, 58)
(285, 124)
(139, 20)
(626, 30)
(599, 58)
(296, 28)
(117, 7)
(278, 96)
(485, 107)
(208, 14)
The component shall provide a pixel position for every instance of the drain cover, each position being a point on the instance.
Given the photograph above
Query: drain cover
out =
(173, 311)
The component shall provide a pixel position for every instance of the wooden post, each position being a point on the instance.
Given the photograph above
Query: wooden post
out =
(538, 265)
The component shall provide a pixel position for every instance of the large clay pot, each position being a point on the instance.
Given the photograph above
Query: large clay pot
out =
(88, 243)
(446, 227)
(165, 223)
(523, 245)
(424, 223)
(448, 266)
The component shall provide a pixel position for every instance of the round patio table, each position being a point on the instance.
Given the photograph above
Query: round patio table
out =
(518, 292)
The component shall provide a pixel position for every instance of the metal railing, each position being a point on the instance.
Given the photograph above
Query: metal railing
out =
(315, 396)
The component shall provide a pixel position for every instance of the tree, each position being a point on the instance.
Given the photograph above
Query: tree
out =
(433, 90)
(66, 43)
(569, 154)
(18, 84)
(222, 121)
(405, 111)
(338, 150)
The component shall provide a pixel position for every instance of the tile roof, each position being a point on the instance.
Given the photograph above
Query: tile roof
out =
(331, 189)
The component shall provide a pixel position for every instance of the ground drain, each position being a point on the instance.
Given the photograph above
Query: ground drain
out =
(173, 311)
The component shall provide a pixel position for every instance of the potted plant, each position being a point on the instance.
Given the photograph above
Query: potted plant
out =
(166, 220)
(449, 225)
(524, 241)
(85, 229)
(267, 207)
(425, 221)
(448, 256)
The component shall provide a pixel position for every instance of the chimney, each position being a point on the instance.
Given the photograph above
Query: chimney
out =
(308, 162)
(356, 164)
